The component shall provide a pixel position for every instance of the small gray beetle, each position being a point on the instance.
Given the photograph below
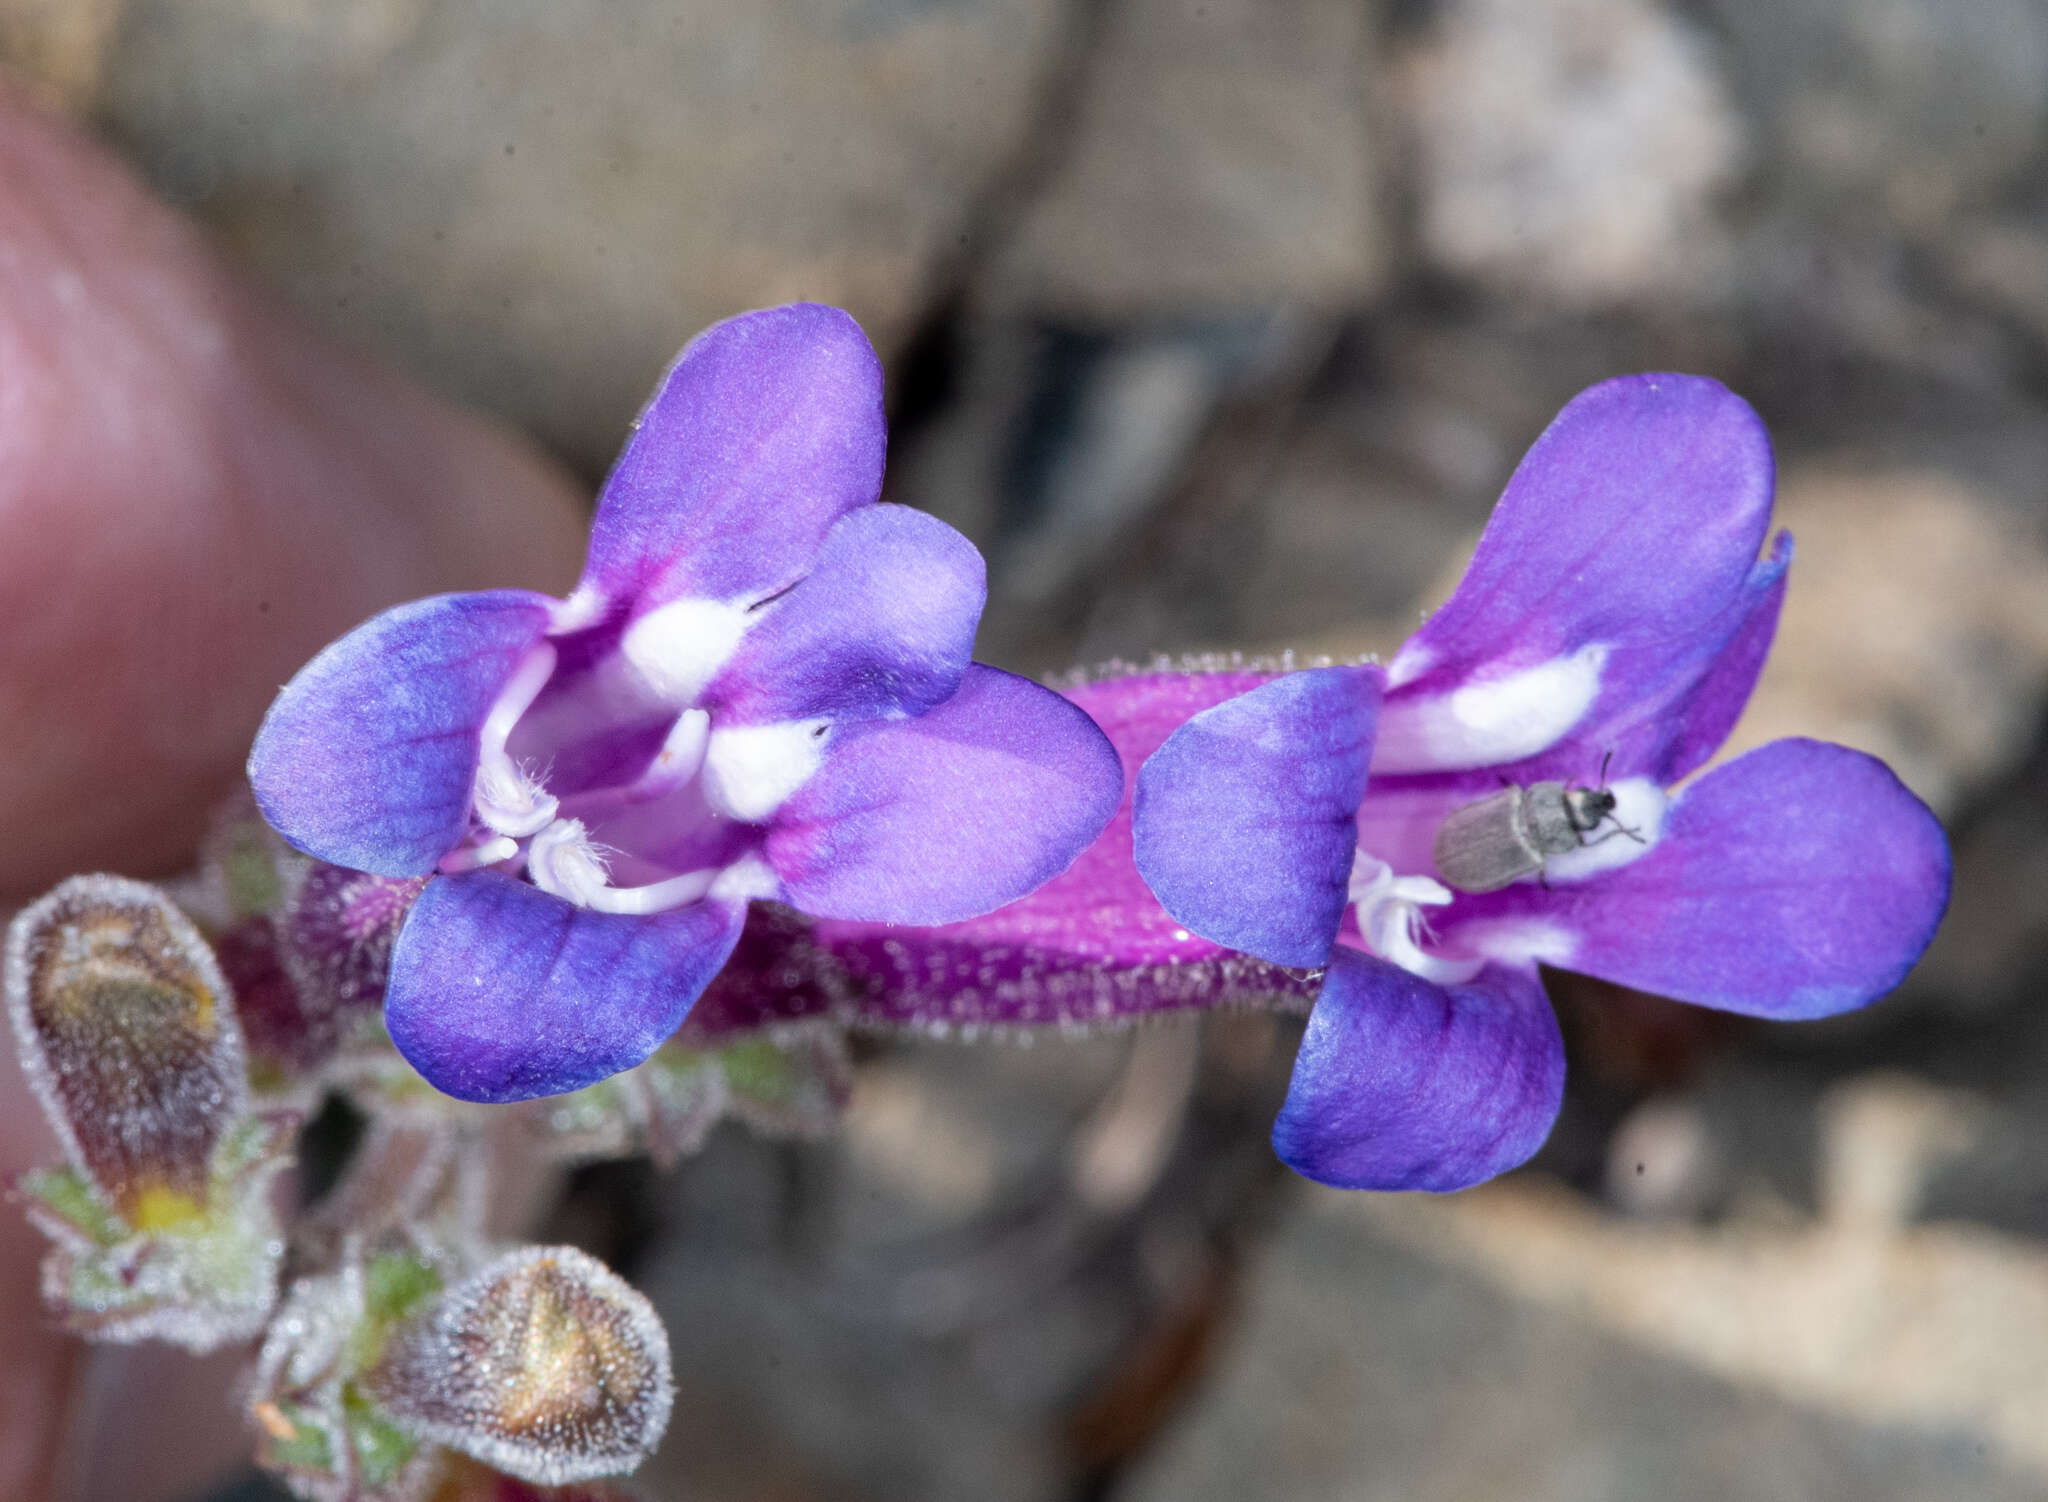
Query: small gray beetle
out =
(1507, 835)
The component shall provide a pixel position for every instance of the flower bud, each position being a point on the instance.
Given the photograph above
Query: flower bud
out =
(163, 1225)
(128, 1034)
(544, 1364)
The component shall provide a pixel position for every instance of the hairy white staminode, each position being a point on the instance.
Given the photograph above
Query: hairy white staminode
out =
(507, 797)
(1628, 834)
(1390, 917)
(563, 860)
(679, 647)
(1491, 723)
(752, 770)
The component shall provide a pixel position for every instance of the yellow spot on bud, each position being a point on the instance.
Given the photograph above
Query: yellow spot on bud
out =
(158, 1207)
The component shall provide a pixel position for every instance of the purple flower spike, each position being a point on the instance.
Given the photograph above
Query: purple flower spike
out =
(760, 689)
(1519, 812)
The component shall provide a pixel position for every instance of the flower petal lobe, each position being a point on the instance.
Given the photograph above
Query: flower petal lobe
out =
(1800, 880)
(764, 432)
(1630, 525)
(951, 814)
(1245, 819)
(883, 624)
(500, 991)
(368, 757)
(1405, 1084)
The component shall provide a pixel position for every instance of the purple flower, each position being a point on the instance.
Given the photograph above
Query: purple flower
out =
(1601, 645)
(760, 689)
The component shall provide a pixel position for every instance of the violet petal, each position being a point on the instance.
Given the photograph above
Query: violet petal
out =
(883, 624)
(766, 430)
(1697, 724)
(1405, 1084)
(1661, 712)
(368, 757)
(501, 992)
(949, 814)
(1626, 533)
(1245, 819)
(1800, 880)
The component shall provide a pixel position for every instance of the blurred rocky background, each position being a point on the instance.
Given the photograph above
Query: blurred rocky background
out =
(1219, 323)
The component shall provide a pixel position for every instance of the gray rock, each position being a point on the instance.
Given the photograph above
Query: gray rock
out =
(1915, 627)
(1572, 150)
(1222, 157)
(536, 203)
(1362, 1373)
(911, 1312)
(1896, 109)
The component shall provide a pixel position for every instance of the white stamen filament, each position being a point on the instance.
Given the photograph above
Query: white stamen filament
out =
(563, 860)
(507, 798)
(1390, 917)
(681, 756)
(471, 857)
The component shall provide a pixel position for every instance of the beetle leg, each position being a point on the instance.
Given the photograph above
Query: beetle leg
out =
(1619, 828)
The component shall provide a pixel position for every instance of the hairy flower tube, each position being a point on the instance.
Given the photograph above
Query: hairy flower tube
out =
(1528, 803)
(761, 688)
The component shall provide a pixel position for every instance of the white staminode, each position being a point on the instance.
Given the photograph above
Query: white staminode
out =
(1390, 917)
(752, 770)
(678, 648)
(508, 798)
(1491, 723)
(562, 860)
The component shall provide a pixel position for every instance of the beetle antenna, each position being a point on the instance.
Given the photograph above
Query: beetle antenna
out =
(1604, 760)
